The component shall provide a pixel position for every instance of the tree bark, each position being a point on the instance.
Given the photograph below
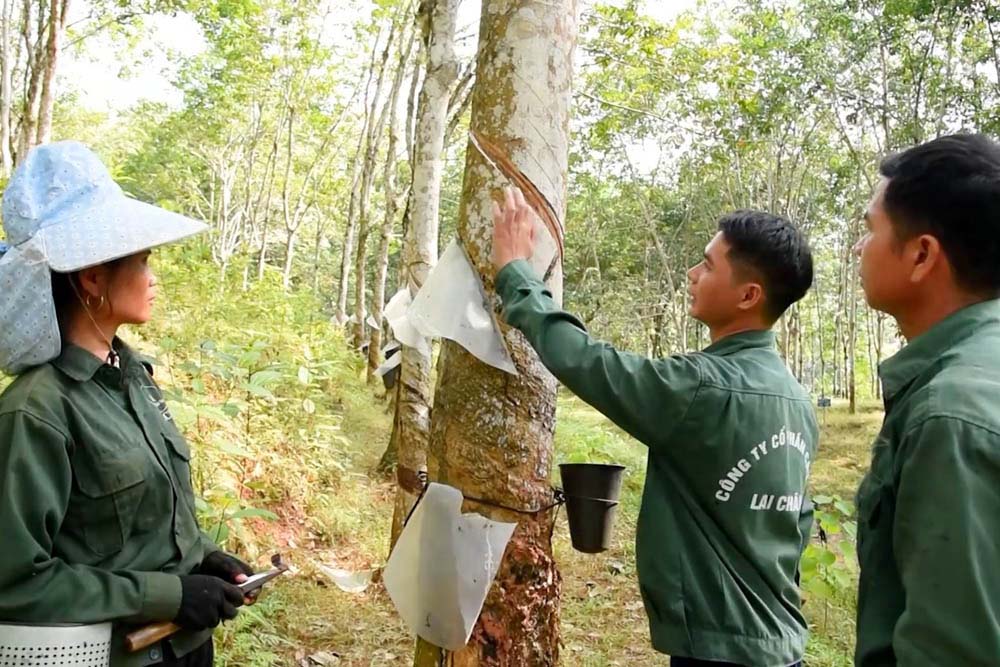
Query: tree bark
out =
(57, 24)
(377, 115)
(6, 86)
(491, 432)
(357, 168)
(852, 294)
(347, 251)
(420, 244)
(391, 207)
(34, 55)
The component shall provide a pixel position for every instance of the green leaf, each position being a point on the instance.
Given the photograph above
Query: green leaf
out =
(233, 450)
(250, 357)
(191, 367)
(258, 390)
(822, 500)
(816, 586)
(851, 528)
(303, 375)
(254, 512)
(309, 407)
(221, 533)
(845, 507)
(263, 378)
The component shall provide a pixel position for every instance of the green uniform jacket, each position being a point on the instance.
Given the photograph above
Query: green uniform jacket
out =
(96, 507)
(929, 507)
(724, 515)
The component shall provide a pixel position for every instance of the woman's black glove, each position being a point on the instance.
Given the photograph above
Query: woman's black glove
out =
(206, 600)
(224, 566)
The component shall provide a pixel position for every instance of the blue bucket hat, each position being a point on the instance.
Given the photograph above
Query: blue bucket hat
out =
(63, 212)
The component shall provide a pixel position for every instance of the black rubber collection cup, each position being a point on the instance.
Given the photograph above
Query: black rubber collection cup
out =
(592, 491)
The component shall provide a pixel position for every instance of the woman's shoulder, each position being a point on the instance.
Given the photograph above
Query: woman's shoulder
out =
(37, 391)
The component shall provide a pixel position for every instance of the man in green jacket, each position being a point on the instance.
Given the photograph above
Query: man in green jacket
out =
(731, 435)
(929, 507)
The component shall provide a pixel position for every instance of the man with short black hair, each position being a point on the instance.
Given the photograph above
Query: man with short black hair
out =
(731, 434)
(929, 507)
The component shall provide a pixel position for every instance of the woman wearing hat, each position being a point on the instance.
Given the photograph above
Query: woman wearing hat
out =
(96, 506)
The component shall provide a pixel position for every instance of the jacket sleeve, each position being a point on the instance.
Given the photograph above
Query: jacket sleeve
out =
(36, 586)
(639, 394)
(945, 544)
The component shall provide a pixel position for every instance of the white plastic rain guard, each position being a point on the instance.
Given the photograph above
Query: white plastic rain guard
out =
(46, 646)
(404, 331)
(451, 305)
(394, 362)
(442, 567)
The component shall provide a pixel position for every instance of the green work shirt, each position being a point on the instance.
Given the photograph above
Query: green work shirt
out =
(929, 507)
(97, 511)
(724, 516)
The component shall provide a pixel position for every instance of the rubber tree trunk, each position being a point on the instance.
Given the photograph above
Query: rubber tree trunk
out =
(420, 244)
(491, 432)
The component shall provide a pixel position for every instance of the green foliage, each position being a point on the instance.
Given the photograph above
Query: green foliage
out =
(829, 564)
(254, 381)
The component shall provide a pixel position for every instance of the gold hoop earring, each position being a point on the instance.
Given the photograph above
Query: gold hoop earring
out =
(90, 306)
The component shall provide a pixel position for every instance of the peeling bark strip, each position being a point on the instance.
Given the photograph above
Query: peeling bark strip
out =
(491, 433)
(542, 207)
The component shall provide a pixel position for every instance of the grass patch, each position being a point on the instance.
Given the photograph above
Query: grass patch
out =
(603, 621)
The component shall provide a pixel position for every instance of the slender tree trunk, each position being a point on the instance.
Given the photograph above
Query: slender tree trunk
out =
(378, 113)
(290, 238)
(262, 251)
(6, 86)
(57, 24)
(799, 340)
(264, 201)
(852, 328)
(347, 251)
(420, 244)
(317, 246)
(291, 219)
(819, 329)
(34, 56)
(357, 169)
(870, 347)
(491, 433)
(391, 207)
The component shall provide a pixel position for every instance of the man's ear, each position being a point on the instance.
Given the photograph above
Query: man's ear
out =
(926, 255)
(752, 296)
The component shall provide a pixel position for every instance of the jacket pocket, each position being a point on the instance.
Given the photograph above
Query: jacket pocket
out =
(180, 462)
(111, 489)
(869, 499)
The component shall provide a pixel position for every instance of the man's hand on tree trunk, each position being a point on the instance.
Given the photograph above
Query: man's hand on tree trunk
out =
(513, 229)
